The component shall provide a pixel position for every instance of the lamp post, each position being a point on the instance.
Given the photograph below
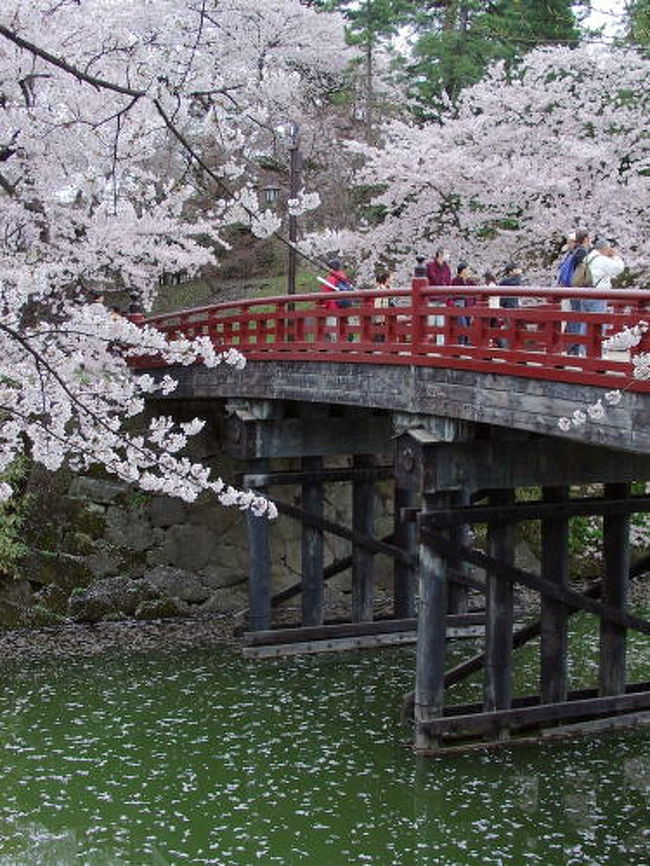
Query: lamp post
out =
(295, 165)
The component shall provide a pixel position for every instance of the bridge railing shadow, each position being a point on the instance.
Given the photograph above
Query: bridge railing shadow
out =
(524, 331)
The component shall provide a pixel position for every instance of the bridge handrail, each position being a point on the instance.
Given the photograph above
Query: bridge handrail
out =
(542, 337)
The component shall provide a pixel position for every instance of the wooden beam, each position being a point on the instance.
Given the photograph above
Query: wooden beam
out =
(430, 653)
(406, 539)
(363, 523)
(519, 511)
(572, 599)
(354, 433)
(499, 607)
(371, 544)
(311, 547)
(457, 598)
(533, 460)
(616, 561)
(554, 615)
(259, 583)
(537, 700)
(520, 718)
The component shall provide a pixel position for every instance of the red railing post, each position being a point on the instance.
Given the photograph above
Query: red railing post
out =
(419, 283)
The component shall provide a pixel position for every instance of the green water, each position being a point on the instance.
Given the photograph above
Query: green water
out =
(201, 757)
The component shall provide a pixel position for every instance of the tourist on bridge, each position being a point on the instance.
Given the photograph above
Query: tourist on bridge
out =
(604, 263)
(511, 277)
(438, 270)
(463, 278)
(336, 281)
(565, 271)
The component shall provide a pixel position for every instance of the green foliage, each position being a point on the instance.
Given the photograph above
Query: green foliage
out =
(638, 25)
(12, 518)
(457, 41)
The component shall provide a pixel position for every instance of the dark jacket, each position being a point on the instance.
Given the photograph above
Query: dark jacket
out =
(438, 274)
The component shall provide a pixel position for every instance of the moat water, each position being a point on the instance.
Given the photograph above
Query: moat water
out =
(202, 757)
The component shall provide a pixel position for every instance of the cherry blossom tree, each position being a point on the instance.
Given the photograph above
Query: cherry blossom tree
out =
(112, 114)
(529, 154)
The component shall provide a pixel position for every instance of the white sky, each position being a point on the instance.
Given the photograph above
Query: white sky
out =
(606, 13)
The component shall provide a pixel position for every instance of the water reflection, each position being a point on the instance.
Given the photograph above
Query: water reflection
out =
(201, 757)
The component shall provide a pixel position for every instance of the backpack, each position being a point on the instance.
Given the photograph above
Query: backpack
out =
(344, 286)
(565, 273)
(582, 278)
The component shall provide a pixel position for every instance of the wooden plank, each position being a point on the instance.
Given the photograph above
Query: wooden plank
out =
(344, 644)
(569, 597)
(520, 718)
(457, 597)
(533, 460)
(371, 544)
(562, 732)
(353, 629)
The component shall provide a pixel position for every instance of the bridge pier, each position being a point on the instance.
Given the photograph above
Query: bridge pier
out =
(439, 726)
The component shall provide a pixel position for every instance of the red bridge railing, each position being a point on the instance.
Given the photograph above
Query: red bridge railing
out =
(425, 326)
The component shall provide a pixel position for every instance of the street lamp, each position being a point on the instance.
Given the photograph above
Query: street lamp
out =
(295, 165)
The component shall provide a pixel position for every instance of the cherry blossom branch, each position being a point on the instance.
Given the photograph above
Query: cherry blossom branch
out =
(97, 83)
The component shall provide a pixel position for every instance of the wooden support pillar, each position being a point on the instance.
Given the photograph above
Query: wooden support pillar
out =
(616, 563)
(554, 614)
(312, 547)
(405, 537)
(363, 521)
(259, 582)
(457, 593)
(430, 652)
(499, 612)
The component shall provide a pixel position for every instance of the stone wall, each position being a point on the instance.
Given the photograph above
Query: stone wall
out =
(102, 550)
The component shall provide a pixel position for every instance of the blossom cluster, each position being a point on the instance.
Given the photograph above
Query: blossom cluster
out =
(595, 412)
(627, 338)
(113, 116)
(508, 172)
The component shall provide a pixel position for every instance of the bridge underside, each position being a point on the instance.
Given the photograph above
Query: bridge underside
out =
(462, 450)
(511, 402)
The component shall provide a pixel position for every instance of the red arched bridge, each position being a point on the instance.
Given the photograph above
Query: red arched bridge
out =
(457, 399)
(417, 350)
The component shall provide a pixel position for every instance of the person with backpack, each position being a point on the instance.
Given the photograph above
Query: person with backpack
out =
(597, 269)
(565, 271)
(571, 271)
